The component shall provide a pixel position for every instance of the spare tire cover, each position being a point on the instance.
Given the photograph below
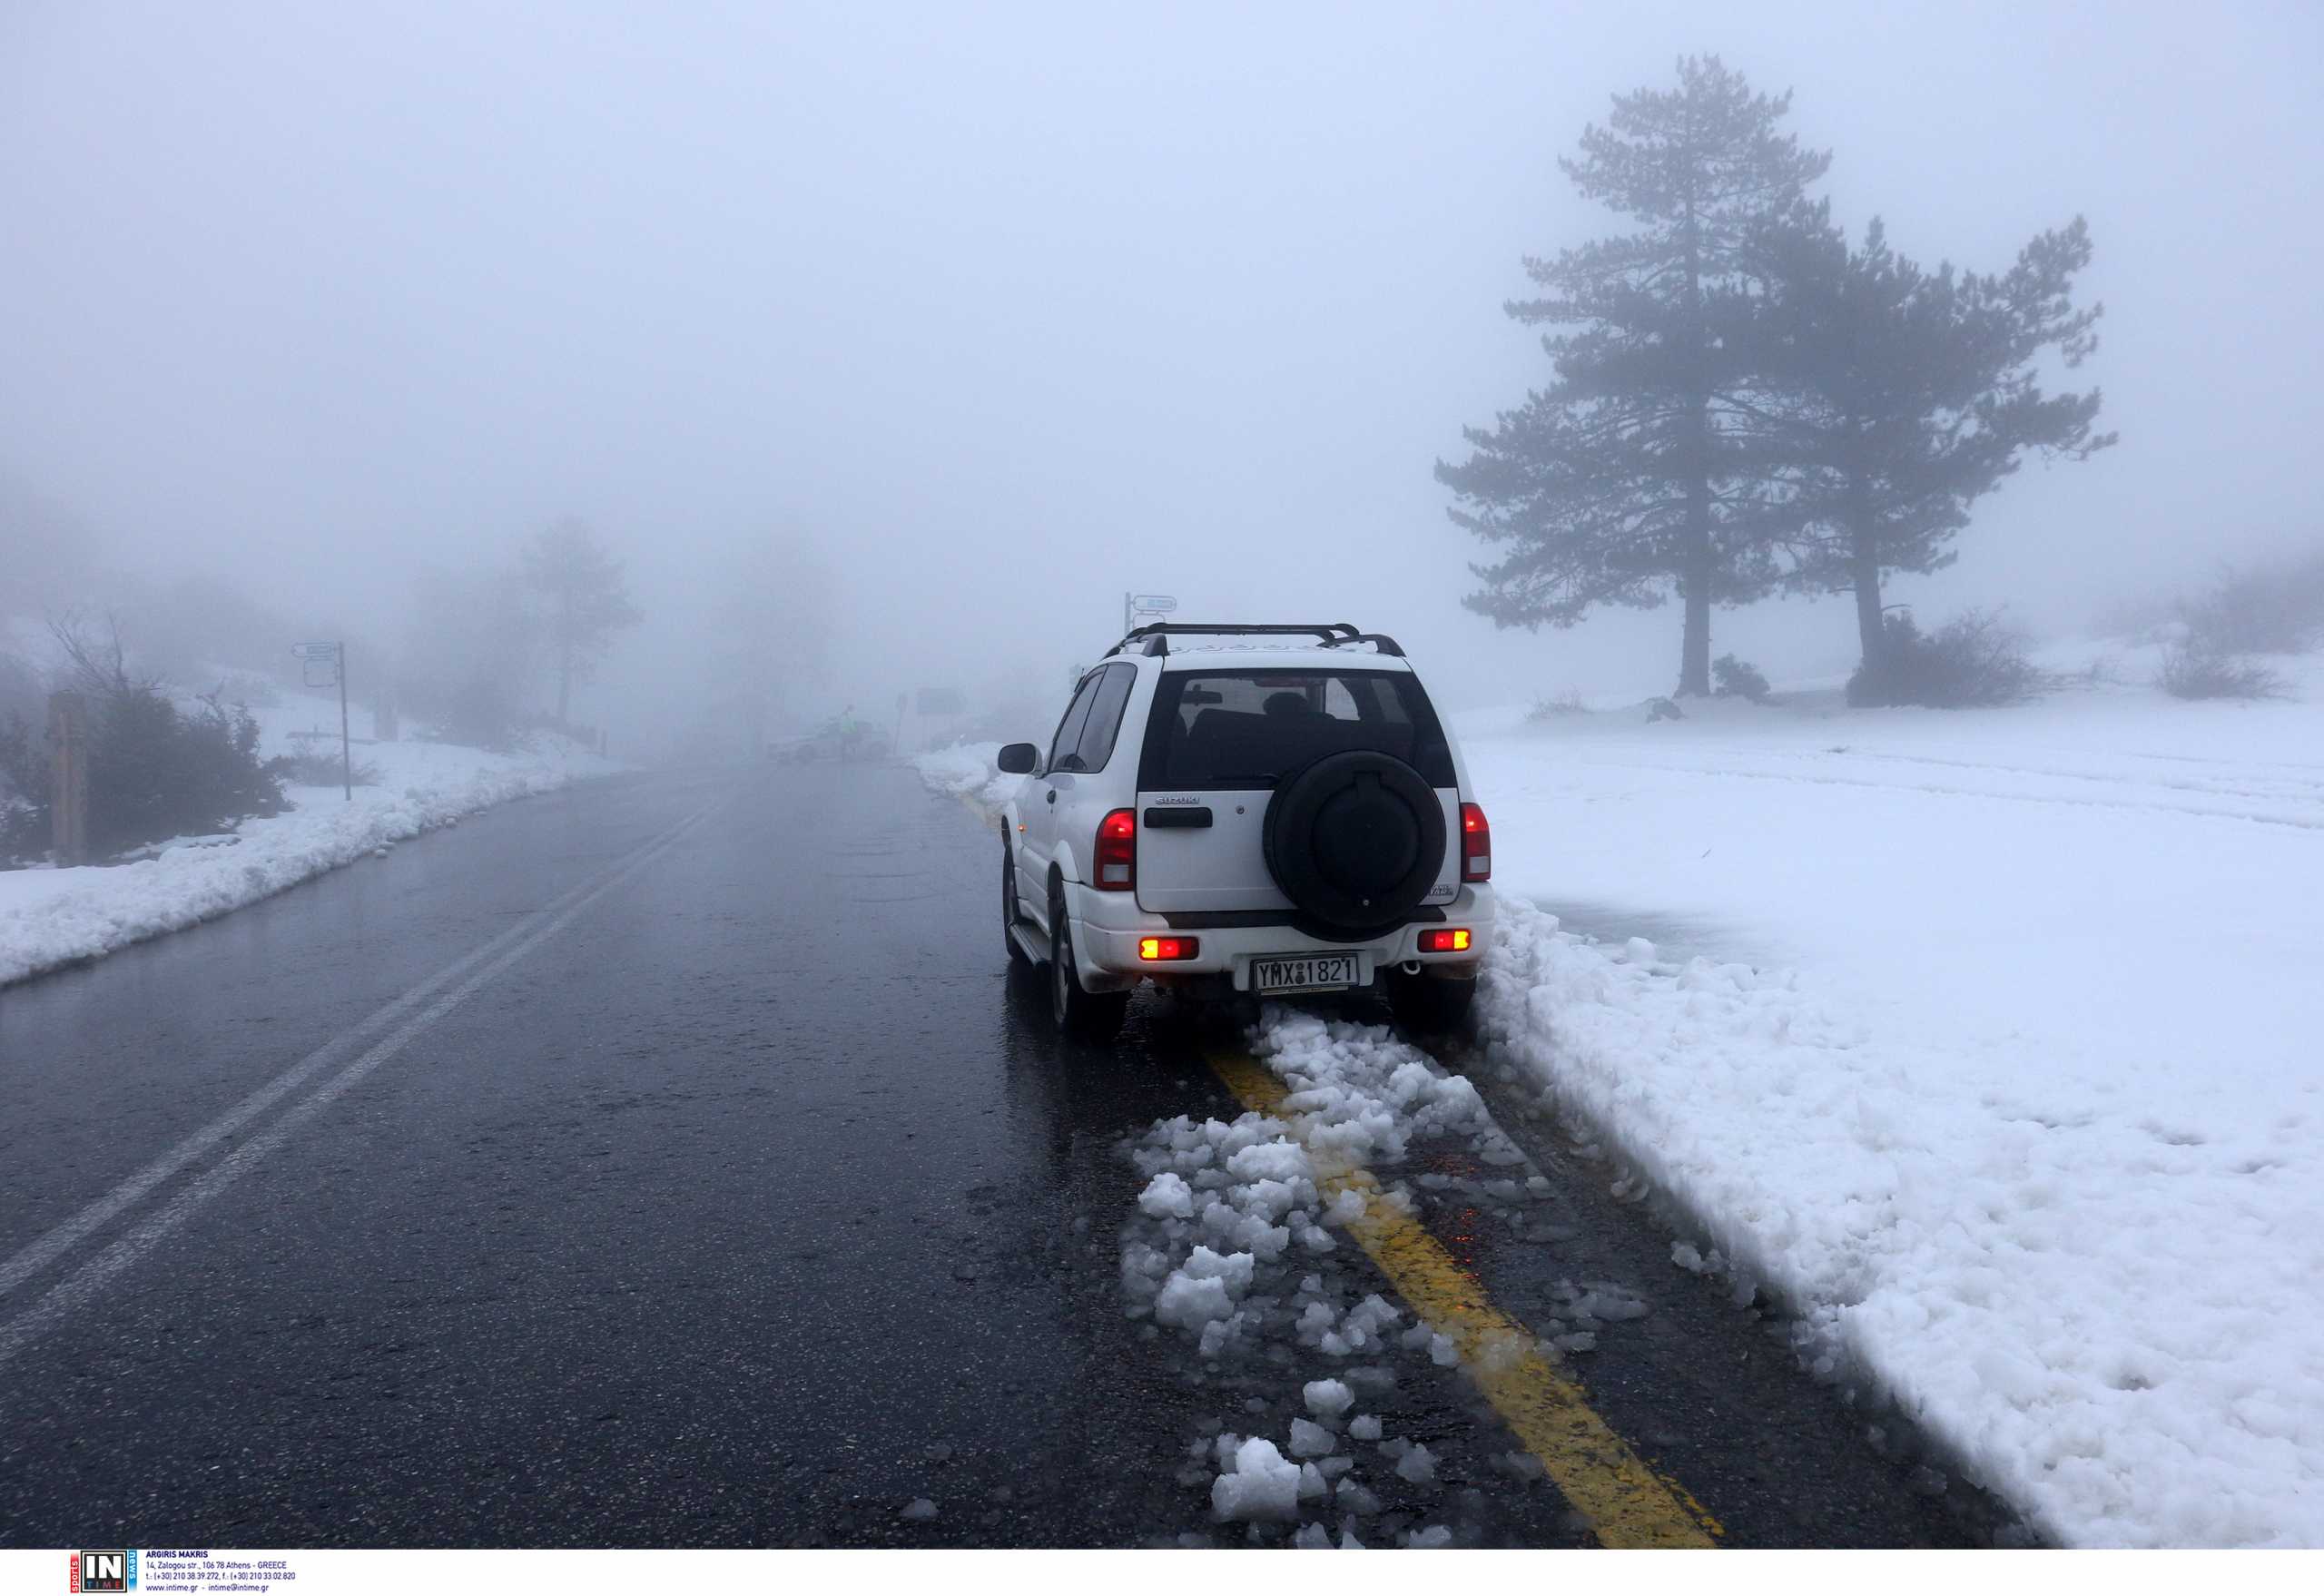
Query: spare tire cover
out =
(1355, 841)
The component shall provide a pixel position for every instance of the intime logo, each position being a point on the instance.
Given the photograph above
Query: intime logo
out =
(104, 1570)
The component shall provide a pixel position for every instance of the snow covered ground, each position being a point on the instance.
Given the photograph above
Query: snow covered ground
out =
(52, 917)
(1992, 1041)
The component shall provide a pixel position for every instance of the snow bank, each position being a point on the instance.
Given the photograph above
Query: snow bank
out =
(1988, 1038)
(52, 917)
(967, 772)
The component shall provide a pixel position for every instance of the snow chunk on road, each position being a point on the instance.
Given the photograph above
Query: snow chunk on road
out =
(1167, 1196)
(1282, 1161)
(1260, 1486)
(1191, 1303)
(1311, 1439)
(1203, 1290)
(1360, 1096)
(1418, 1465)
(1327, 1399)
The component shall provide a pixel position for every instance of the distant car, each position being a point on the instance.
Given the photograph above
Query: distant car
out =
(830, 741)
(1257, 820)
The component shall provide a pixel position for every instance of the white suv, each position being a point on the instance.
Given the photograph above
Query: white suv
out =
(1282, 817)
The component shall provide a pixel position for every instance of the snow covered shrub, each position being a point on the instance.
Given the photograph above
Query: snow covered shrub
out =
(24, 792)
(1553, 708)
(2194, 669)
(155, 770)
(1663, 709)
(2272, 608)
(1734, 678)
(1971, 662)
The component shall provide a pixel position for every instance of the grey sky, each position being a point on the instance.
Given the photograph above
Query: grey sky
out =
(1013, 308)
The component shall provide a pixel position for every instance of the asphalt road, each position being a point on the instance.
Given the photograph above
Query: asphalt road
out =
(732, 1192)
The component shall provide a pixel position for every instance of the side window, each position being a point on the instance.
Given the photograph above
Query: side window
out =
(1105, 724)
(1069, 730)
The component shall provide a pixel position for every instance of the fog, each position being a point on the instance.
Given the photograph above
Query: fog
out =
(1003, 312)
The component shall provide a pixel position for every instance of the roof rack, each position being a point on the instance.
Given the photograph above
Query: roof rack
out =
(1154, 638)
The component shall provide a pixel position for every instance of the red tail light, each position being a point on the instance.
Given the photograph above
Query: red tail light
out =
(1116, 852)
(1476, 844)
(1164, 949)
(1444, 942)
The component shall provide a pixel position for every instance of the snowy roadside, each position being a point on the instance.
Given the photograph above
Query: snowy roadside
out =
(53, 917)
(967, 772)
(1988, 1043)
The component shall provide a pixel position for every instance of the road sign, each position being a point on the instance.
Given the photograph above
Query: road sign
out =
(324, 664)
(318, 663)
(1154, 603)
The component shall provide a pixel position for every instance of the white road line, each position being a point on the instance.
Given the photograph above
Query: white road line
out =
(468, 972)
(39, 1254)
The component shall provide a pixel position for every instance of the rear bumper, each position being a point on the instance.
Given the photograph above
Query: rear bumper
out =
(1108, 927)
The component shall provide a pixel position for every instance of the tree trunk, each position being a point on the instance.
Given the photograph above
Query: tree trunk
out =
(1864, 566)
(1867, 566)
(1695, 577)
(1874, 679)
(1699, 562)
(1694, 649)
(564, 681)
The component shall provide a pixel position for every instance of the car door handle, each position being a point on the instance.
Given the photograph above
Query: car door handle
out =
(1192, 818)
(1052, 794)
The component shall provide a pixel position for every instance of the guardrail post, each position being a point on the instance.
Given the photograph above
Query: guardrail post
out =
(68, 786)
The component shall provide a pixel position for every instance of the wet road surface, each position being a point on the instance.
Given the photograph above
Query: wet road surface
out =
(737, 1194)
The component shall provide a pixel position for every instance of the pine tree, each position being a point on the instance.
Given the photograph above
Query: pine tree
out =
(588, 600)
(1639, 472)
(1898, 396)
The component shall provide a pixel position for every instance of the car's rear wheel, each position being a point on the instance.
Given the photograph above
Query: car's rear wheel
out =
(1010, 919)
(1428, 1005)
(1090, 1016)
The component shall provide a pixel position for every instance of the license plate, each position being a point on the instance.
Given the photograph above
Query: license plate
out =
(1302, 973)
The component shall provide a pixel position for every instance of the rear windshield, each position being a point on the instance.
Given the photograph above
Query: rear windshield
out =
(1237, 730)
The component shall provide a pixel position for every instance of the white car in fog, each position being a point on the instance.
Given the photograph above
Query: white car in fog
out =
(1279, 811)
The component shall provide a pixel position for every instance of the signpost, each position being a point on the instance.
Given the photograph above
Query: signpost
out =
(324, 664)
(1134, 605)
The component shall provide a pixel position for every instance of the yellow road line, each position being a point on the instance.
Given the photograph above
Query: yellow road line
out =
(1626, 1502)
